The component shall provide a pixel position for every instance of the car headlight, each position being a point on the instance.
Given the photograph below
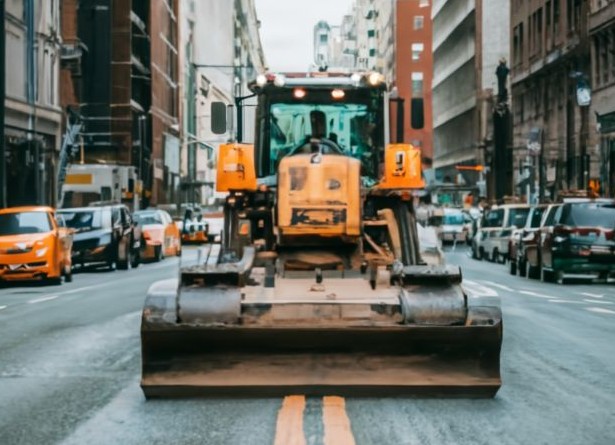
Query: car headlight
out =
(41, 252)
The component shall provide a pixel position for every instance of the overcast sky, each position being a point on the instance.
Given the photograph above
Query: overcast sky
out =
(287, 28)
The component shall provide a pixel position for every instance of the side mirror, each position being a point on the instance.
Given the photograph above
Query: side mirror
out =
(218, 117)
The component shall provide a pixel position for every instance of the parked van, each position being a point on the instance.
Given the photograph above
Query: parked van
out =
(491, 240)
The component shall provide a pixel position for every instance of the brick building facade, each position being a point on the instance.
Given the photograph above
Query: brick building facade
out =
(554, 138)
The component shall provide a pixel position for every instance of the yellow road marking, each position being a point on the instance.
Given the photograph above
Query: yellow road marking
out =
(336, 422)
(289, 428)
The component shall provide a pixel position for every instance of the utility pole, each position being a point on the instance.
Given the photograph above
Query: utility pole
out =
(3, 197)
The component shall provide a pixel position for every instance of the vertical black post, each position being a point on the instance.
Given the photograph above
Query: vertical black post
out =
(3, 200)
(541, 167)
(400, 121)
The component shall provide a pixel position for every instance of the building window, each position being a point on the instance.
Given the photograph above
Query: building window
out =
(417, 85)
(417, 49)
(418, 22)
(597, 60)
(372, 52)
(423, 3)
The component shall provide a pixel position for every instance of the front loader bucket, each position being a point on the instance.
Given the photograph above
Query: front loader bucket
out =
(185, 361)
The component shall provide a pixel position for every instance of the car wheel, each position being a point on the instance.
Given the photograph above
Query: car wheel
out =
(136, 259)
(546, 276)
(68, 274)
(159, 253)
(482, 255)
(522, 268)
(512, 267)
(495, 256)
(127, 262)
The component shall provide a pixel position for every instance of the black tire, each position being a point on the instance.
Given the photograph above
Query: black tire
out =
(68, 274)
(481, 254)
(533, 272)
(495, 256)
(127, 262)
(512, 267)
(136, 259)
(522, 268)
(546, 276)
(159, 253)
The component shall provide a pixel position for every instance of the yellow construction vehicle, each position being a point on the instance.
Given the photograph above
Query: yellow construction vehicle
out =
(318, 286)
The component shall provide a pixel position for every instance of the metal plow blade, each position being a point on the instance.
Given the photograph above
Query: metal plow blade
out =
(189, 361)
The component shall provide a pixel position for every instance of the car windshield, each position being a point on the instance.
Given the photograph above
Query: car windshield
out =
(24, 223)
(351, 126)
(148, 218)
(83, 220)
(589, 215)
(517, 217)
(454, 220)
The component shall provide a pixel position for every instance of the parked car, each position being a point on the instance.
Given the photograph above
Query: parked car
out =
(529, 256)
(491, 240)
(452, 225)
(105, 235)
(581, 242)
(522, 238)
(34, 245)
(160, 236)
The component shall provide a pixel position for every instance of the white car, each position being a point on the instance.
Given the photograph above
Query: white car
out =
(492, 239)
(455, 226)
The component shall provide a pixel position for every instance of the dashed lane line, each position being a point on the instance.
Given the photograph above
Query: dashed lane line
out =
(289, 426)
(2, 307)
(597, 301)
(499, 286)
(558, 300)
(336, 422)
(536, 294)
(478, 289)
(600, 310)
(40, 300)
(588, 294)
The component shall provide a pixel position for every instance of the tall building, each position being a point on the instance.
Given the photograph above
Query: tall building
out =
(602, 34)
(322, 44)
(33, 117)
(469, 39)
(394, 38)
(554, 137)
(414, 70)
(215, 70)
(120, 73)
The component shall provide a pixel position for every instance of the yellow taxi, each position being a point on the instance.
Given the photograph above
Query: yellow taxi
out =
(160, 234)
(34, 245)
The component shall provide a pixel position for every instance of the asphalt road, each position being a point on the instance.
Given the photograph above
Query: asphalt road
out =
(69, 374)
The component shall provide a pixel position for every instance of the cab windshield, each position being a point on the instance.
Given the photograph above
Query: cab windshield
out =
(24, 223)
(352, 127)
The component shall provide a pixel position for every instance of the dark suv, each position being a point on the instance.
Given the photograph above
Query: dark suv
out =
(581, 242)
(104, 235)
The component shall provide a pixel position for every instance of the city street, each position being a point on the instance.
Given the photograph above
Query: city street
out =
(69, 374)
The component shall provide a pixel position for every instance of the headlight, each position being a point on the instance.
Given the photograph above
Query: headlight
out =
(41, 252)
